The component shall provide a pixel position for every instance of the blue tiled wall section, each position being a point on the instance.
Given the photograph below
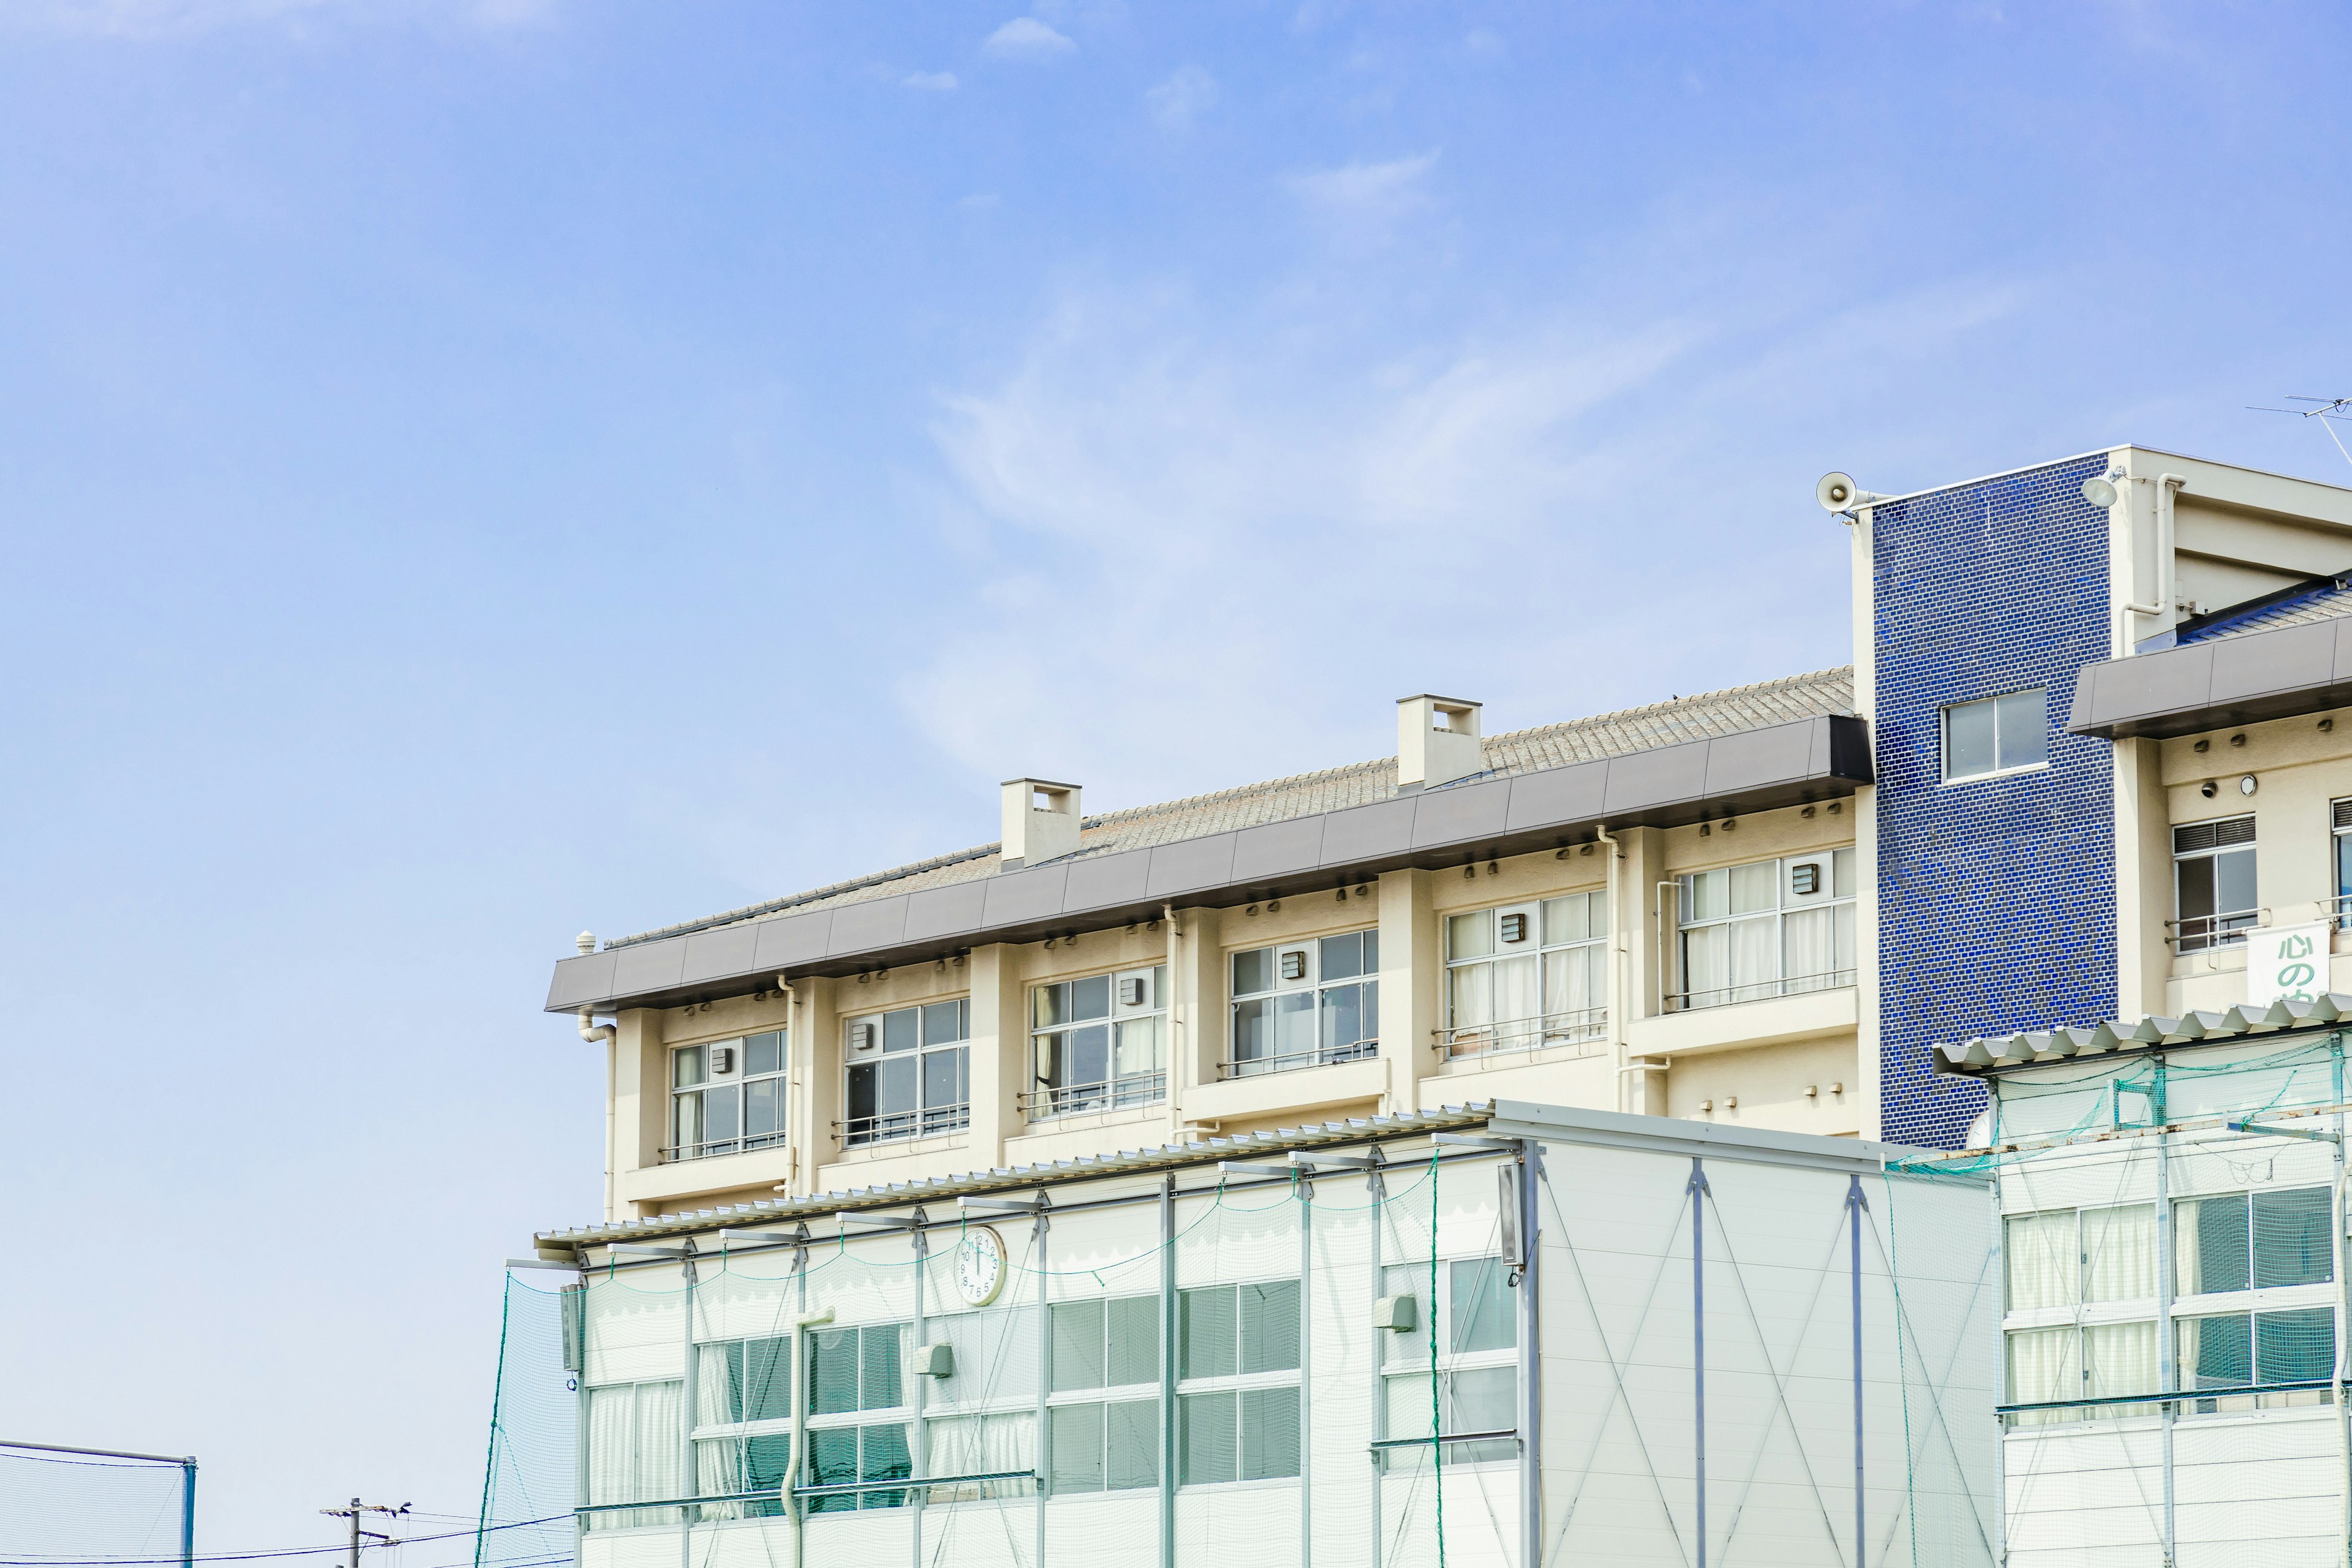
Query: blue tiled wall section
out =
(1996, 899)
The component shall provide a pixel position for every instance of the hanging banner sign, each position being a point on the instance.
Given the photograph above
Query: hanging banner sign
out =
(2286, 964)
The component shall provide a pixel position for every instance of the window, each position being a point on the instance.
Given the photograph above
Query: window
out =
(2090, 1361)
(1099, 1042)
(841, 1454)
(2251, 1241)
(636, 1434)
(1237, 1434)
(2340, 822)
(1107, 1344)
(851, 1371)
(1107, 1446)
(1996, 735)
(744, 1380)
(909, 1073)
(724, 1466)
(1229, 1333)
(1224, 1330)
(856, 1369)
(2067, 1257)
(2213, 883)
(982, 1445)
(1771, 928)
(726, 1096)
(1477, 1333)
(1527, 976)
(1306, 1004)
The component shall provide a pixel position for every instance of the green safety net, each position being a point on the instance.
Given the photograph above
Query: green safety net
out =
(662, 1412)
(60, 1506)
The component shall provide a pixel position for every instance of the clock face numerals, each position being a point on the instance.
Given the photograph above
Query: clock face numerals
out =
(980, 1266)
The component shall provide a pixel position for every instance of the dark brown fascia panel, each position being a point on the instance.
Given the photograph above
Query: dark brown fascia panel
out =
(2211, 686)
(1667, 786)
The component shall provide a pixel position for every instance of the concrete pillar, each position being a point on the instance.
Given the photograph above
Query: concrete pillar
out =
(1000, 1040)
(2143, 879)
(1198, 1006)
(1412, 971)
(1645, 963)
(640, 1094)
(818, 1080)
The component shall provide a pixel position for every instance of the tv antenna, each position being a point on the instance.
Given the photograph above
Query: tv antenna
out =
(2329, 411)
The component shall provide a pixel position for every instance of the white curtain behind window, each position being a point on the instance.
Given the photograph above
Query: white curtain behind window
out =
(2120, 1358)
(2041, 1366)
(1473, 1004)
(1754, 958)
(1707, 965)
(2044, 1261)
(2120, 1253)
(1516, 981)
(718, 1472)
(1810, 936)
(661, 1440)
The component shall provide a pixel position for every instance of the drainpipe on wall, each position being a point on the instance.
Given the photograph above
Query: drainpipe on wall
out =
(607, 1036)
(1168, 1065)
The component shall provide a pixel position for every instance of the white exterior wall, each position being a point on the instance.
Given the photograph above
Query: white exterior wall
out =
(1619, 1367)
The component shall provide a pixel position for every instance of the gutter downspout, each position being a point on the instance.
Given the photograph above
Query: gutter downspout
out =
(1175, 1082)
(2168, 586)
(793, 1087)
(802, 1323)
(607, 1035)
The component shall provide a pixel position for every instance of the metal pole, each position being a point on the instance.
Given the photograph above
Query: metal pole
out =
(2167, 1374)
(1044, 1375)
(1376, 1188)
(1531, 1498)
(355, 1532)
(1697, 1190)
(188, 1512)
(1855, 1203)
(919, 1449)
(1167, 1371)
(1306, 1369)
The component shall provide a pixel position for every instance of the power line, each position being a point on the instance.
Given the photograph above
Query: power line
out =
(254, 1556)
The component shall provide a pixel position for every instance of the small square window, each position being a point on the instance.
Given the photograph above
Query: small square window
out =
(1997, 734)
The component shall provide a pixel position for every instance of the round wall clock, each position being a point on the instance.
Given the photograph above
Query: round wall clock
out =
(980, 1265)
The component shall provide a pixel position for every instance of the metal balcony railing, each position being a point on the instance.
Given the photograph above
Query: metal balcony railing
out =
(895, 1126)
(1758, 990)
(2201, 933)
(672, 1153)
(1587, 1027)
(1291, 1061)
(1112, 1094)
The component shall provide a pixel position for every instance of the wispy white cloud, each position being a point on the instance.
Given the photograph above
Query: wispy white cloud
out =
(1027, 38)
(1366, 199)
(1559, 514)
(931, 81)
(1184, 97)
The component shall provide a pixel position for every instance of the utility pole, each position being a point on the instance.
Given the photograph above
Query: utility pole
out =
(353, 1513)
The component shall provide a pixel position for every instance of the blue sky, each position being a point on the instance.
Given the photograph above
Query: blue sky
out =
(475, 469)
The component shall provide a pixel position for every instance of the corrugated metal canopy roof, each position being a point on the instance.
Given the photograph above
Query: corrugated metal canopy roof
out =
(1995, 1053)
(936, 1189)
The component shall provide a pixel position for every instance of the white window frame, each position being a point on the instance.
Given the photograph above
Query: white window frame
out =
(923, 1120)
(1841, 864)
(2223, 928)
(1117, 1090)
(1404, 1359)
(901, 1414)
(1549, 1026)
(741, 1080)
(1310, 982)
(1237, 1382)
(1944, 737)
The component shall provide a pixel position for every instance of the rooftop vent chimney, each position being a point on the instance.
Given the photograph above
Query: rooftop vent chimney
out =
(1437, 742)
(1041, 822)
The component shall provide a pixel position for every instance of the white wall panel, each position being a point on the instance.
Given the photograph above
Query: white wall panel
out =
(637, 1326)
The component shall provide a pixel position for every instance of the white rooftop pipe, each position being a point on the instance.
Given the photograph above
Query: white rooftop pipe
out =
(606, 1035)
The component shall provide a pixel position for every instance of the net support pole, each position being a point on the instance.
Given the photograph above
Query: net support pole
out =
(188, 1512)
(918, 1445)
(1167, 1365)
(1376, 1190)
(687, 1467)
(1698, 1189)
(1531, 1498)
(1044, 1371)
(1855, 1204)
(1305, 1179)
(2167, 1357)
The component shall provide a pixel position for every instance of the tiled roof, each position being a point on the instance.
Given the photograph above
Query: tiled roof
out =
(2328, 600)
(1699, 718)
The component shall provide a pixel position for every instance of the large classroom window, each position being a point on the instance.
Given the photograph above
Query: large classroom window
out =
(1306, 1004)
(1771, 928)
(909, 1073)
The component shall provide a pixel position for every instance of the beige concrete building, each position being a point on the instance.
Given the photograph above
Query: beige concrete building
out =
(1758, 907)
